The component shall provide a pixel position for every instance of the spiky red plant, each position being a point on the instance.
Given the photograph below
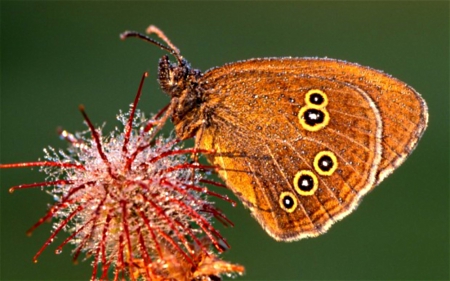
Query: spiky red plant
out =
(133, 200)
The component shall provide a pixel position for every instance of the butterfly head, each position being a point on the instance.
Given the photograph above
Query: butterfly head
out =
(179, 81)
(177, 78)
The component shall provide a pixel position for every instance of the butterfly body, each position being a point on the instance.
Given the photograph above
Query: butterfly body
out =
(299, 140)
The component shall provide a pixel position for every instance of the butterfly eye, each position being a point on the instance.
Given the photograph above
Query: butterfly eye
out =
(305, 183)
(313, 119)
(316, 98)
(288, 202)
(325, 163)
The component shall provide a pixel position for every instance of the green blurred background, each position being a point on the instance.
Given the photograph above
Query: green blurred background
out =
(56, 55)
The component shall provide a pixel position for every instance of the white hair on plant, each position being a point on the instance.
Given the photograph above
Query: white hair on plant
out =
(129, 198)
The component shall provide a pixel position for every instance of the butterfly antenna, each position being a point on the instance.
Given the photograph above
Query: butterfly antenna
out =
(171, 48)
(155, 30)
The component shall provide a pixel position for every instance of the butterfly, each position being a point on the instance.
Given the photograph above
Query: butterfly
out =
(300, 141)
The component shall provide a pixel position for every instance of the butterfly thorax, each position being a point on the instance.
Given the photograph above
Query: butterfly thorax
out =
(181, 83)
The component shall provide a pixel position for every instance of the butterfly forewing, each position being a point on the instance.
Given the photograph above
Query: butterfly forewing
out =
(300, 141)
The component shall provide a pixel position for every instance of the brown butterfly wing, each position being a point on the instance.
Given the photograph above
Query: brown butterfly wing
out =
(262, 144)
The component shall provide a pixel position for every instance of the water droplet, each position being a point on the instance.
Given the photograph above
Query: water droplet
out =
(35, 260)
(11, 190)
(234, 204)
(58, 251)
